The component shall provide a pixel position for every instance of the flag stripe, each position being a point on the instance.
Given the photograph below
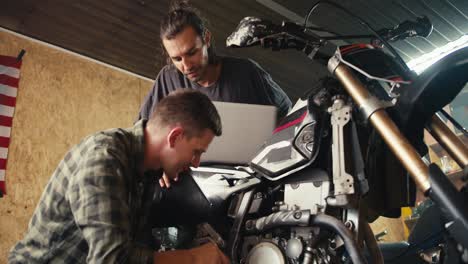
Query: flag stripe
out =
(10, 71)
(7, 110)
(3, 164)
(2, 186)
(7, 100)
(8, 80)
(8, 90)
(6, 120)
(3, 153)
(10, 61)
(2, 178)
(4, 142)
(5, 131)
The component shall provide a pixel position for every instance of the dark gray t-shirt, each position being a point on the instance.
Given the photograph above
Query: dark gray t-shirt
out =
(240, 81)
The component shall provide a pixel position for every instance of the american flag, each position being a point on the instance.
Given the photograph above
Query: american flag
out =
(9, 79)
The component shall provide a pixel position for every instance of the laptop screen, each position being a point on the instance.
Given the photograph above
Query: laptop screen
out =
(245, 129)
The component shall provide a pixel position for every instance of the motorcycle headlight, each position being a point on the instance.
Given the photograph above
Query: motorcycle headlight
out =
(276, 159)
(294, 144)
(305, 140)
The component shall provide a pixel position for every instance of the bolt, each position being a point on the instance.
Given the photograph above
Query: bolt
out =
(294, 185)
(349, 224)
(297, 215)
(307, 136)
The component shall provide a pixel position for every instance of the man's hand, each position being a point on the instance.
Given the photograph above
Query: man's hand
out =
(165, 181)
(205, 254)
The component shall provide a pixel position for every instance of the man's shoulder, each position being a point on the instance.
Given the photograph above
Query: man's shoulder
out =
(241, 65)
(113, 138)
(168, 70)
(237, 61)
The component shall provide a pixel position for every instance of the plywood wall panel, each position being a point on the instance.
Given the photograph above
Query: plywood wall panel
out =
(61, 99)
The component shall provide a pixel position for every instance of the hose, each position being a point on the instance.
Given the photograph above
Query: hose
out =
(371, 244)
(334, 224)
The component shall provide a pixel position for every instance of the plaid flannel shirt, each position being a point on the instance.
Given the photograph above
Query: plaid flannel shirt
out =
(91, 208)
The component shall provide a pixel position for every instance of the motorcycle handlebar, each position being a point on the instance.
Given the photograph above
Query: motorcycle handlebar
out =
(422, 27)
(254, 31)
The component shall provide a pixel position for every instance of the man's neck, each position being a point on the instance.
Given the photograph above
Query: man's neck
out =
(152, 149)
(212, 75)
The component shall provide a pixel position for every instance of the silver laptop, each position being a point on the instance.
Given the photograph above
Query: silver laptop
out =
(245, 129)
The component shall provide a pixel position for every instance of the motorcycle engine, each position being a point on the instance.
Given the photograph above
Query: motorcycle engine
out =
(287, 242)
(303, 246)
(258, 249)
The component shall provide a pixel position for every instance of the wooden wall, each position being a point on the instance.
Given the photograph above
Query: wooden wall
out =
(61, 98)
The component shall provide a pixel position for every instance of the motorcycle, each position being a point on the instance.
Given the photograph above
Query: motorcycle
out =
(348, 152)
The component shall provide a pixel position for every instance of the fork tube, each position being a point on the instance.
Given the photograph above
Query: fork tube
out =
(449, 141)
(387, 129)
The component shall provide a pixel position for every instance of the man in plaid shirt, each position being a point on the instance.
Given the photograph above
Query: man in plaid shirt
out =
(93, 208)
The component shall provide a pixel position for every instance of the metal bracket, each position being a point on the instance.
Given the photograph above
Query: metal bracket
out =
(370, 105)
(315, 191)
(312, 53)
(333, 62)
(342, 181)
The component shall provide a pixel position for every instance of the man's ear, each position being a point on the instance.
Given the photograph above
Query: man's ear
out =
(207, 38)
(174, 135)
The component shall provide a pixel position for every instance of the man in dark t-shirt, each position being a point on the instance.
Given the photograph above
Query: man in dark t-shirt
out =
(192, 63)
(240, 81)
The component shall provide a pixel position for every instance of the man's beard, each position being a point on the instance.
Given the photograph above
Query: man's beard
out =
(194, 79)
(200, 71)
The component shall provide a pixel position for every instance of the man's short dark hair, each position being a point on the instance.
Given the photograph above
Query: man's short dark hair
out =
(181, 15)
(191, 109)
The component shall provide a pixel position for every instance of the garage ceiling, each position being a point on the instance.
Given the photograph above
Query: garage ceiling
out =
(125, 33)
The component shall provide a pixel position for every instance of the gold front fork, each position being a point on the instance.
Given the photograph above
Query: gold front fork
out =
(385, 126)
(449, 141)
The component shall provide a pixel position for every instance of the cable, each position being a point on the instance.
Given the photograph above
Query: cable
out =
(336, 225)
(311, 10)
(338, 54)
(372, 244)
